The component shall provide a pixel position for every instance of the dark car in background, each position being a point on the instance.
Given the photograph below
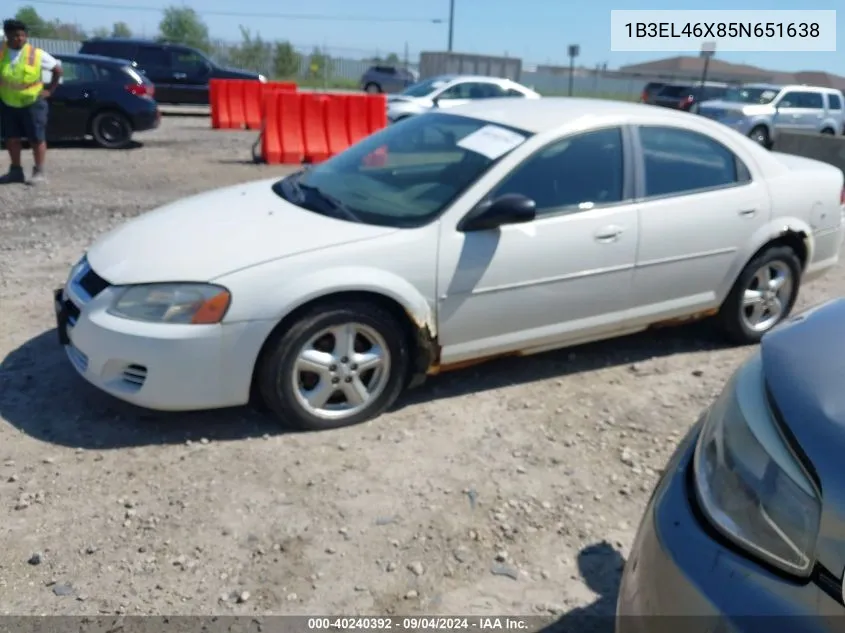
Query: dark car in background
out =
(101, 97)
(650, 91)
(387, 79)
(748, 518)
(683, 96)
(180, 73)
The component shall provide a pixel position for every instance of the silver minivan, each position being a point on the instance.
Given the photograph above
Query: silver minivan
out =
(760, 111)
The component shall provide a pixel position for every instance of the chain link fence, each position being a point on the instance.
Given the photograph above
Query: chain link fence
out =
(323, 67)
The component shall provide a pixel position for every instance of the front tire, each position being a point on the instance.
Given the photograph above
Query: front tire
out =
(763, 295)
(372, 88)
(111, 130)
(338, 365)
(760, 135)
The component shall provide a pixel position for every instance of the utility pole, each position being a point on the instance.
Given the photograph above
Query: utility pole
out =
(406, 56)
(451, 23)
(708, 50)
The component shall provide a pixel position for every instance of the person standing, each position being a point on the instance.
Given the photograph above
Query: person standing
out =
(23, 99)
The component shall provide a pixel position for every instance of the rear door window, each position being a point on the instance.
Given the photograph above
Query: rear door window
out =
(835, 103)
(74, 72)
(153, 57)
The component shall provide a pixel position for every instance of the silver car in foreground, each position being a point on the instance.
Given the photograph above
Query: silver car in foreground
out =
(447, 91)
(760, 111)
(500, 227)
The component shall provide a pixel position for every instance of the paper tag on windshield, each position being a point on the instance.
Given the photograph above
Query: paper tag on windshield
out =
(491, 141)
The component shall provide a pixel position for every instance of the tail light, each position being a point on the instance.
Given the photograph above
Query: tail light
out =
(686, 102)
(644, 96)
(141, 90)
(842, 197)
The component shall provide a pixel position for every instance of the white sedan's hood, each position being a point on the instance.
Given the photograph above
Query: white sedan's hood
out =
(214, 233)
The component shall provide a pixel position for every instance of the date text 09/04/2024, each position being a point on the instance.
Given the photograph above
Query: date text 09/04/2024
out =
(723, 29)
(418, 623)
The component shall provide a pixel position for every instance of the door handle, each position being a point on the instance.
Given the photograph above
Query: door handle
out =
(179, 75)
(748, 213)
(608, 233)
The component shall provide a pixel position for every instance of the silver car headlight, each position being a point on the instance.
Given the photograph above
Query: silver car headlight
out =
(172, 303)
(748, 481)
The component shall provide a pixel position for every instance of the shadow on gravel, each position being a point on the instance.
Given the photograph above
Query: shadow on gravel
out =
(505, 372)
(42, 395)
(601, 567)
(82, 143)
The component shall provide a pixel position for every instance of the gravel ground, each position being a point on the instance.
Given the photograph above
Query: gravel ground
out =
(511, 488)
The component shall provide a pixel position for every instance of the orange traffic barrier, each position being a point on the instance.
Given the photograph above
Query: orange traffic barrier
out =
(289, 115)
(239, 103)
(275, 86)
(337, 123)
(376, 112)
(252, 104)
(237, 118)
(314, 126)
(356, 116)
(214, 93)
(271, 148)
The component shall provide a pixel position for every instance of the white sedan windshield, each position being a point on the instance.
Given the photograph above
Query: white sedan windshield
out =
(406, 174)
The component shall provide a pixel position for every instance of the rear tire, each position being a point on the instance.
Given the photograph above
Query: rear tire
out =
(111, 130)
(357, 379)
(762, 296)
(828, 132)
(372, 88)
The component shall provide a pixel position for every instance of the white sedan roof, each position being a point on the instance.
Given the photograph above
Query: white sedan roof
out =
(549, 113)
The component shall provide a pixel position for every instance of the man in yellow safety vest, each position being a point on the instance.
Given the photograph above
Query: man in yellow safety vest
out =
(23, 99)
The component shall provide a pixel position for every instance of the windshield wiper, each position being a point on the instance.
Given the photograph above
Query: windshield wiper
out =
(333, 203)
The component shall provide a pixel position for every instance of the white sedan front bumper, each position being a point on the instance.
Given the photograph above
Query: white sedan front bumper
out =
(167, 367)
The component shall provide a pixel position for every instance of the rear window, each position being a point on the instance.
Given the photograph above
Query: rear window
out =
(107, 49)
(675, 91)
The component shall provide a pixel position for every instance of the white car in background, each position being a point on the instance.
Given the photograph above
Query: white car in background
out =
(501, 227)
(448, 91)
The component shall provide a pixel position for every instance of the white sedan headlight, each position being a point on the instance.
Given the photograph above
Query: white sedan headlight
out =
(749, 483)
(172, 303)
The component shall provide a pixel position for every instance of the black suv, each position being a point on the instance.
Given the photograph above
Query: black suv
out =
(180, 73)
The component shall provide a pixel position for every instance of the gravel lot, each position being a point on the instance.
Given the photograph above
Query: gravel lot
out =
(512, 488)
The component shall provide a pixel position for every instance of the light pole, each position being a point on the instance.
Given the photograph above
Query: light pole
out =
(451, 23)
(574, 50)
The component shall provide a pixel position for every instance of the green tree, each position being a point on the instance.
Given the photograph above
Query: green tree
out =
(392, 60)
(37, 26)
(252, 53)
(286, 61)
(118, 29)
(121, 29)
(66, 31)
(184, 25)
(319, 65)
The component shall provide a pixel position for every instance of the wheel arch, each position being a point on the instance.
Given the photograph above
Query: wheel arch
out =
(416, 320)
(791, 232)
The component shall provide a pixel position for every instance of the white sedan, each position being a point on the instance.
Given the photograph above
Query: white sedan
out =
(500, 227)
(449, 91)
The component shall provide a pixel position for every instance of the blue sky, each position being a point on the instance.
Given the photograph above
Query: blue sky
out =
(538, 31)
